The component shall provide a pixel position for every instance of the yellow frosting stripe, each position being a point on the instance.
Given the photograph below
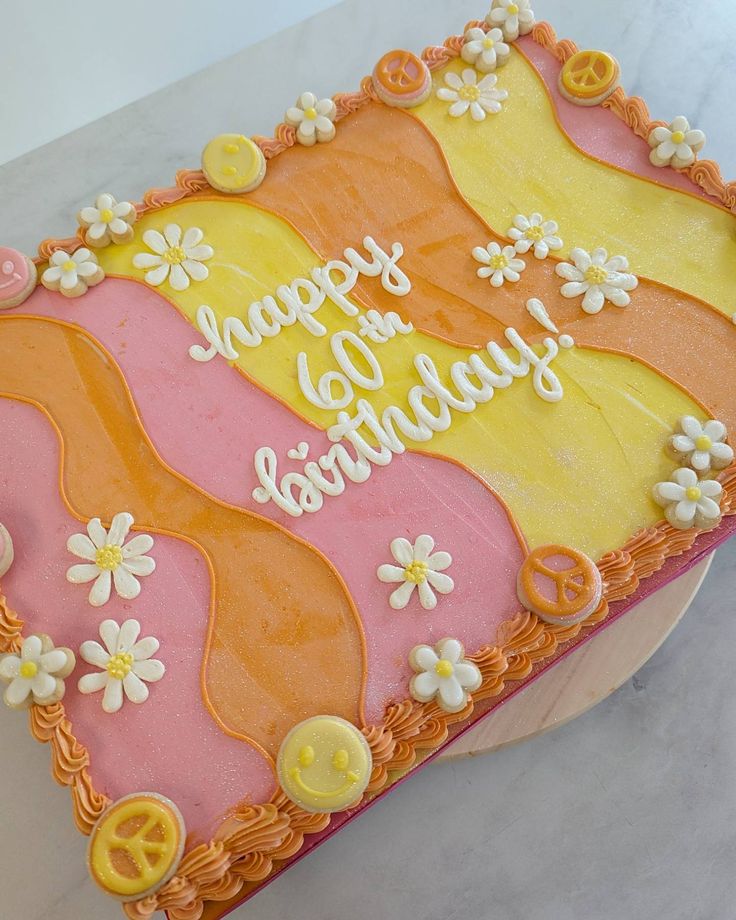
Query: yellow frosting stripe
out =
(578, 471)
(513, 162)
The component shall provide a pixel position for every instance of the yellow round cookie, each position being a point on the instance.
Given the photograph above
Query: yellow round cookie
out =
(324, 764)
(233, 163)
(136, 845)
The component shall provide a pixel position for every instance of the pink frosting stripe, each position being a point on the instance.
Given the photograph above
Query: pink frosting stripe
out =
(599, 132)
(169, 744)
(207, 421)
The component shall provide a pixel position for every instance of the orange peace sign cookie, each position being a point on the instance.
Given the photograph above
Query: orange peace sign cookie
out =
(136, 845)
(402, 79)
(559, 584)
(589, 77)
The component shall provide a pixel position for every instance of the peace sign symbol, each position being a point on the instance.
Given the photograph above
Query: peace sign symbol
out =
(402, 79)
(559, 584)
(589, 77)
(136, 845)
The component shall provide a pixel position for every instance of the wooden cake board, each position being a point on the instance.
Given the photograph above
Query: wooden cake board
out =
(589, 674)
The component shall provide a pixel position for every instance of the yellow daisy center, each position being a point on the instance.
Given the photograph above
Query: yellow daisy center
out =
(108, 558)
(28, 669)
(310, 113)
(535, 233)
(69, 266)
(174, 255)
(596, 274)
(120, 665)
(703, 442)
(678, 137)
(469, 93)
(488, 43)
(512, 9)
(444, 668)
(693, 494)
(106, 215)
(498, 262)
(416, 571)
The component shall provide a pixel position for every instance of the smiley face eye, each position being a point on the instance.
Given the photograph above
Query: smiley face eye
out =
(340, 760)
(7, 267)
(306, 756)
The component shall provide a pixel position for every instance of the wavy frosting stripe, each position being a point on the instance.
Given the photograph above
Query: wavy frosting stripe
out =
(264, 834)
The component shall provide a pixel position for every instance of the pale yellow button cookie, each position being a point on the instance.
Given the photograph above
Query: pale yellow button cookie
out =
(324, 764)
(136, 846)
(233, 163)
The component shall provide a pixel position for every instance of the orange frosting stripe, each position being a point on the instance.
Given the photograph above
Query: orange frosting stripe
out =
(252, 689)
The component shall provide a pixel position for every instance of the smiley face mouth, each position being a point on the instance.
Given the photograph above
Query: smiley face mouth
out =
(13, 278)
(296, 775)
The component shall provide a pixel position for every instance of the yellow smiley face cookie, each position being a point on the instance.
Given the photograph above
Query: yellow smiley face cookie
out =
(136, 846)
(324, 764)
(233, 163)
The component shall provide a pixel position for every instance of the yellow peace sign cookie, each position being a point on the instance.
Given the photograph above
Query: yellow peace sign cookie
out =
(136, 845)
(324, 764)
(589, 77)
(233, 163)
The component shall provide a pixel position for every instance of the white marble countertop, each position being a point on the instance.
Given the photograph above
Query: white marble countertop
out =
(625, 813)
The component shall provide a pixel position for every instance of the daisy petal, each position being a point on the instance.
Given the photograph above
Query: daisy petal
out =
(390, 573)
(129, 632)
(425, 685)
(151, 670)
(135, 689)
(145, 648)
(43, 685)
(442, 583)
(423, 547)
(93, 653)
(427, 596)
(119, 529)
(126, 584)
(93, 683)
(425, 658)
(81, 574)
(138, 546)
(451, 650)
(81, 545)
(452, 694)
(17, 692)
(155, 242)
(53, 661)
(139, 565)
(192, 237)
(468, 675)
(178, 278)
(110, 635)
(402, 551)
(112, 699)
(172, 233)
(715, 430)
(401, 596)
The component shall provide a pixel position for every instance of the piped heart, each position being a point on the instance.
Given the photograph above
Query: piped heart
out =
(300, 452)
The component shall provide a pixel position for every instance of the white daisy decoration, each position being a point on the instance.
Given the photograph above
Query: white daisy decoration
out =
(537, 233)
(500, 265)
(108, 221)
(313, 118)
(126, 664)
(689, 501)
(72, 274)
(444, 674)
(675, 144)
(109, 560)
(467, 94)
(485, 50)
(701, 445)
(598, 278)
(513, 17)
(418, 568)
(37, 674)
(173, 256)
